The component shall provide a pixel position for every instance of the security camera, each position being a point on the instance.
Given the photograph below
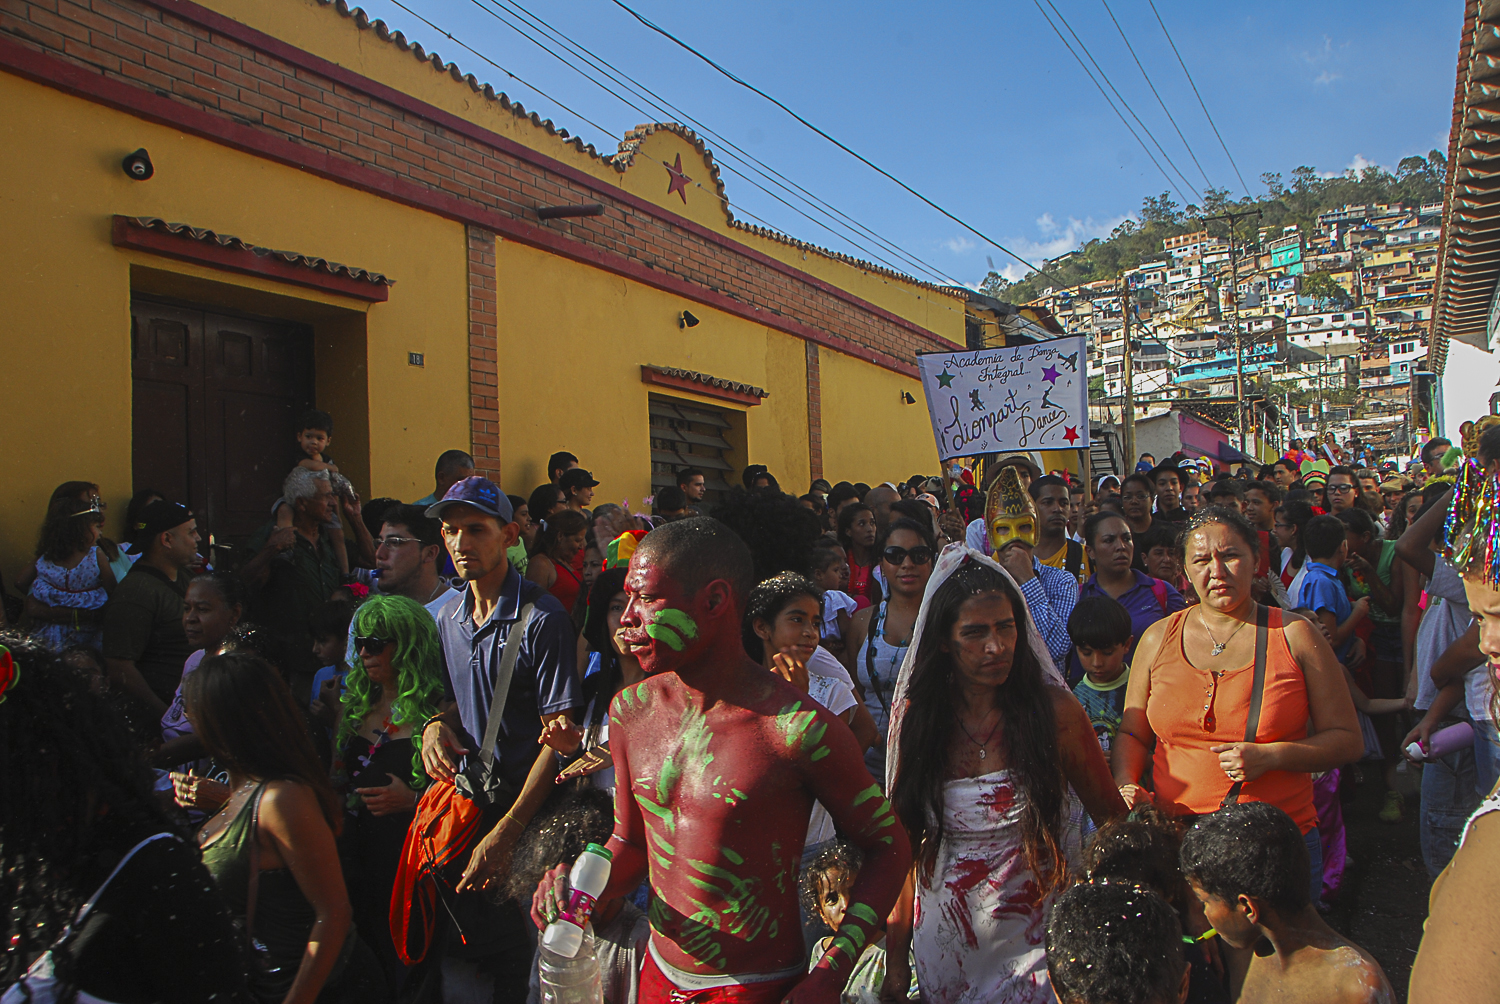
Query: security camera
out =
(138, 165)
(687, 320)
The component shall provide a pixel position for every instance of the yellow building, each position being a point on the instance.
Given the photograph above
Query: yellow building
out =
(500, 287)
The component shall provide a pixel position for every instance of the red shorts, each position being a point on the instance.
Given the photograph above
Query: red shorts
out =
(657, 989)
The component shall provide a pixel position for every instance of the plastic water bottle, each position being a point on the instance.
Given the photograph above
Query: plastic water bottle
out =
(575, 980)
(587, 880)
(1443, 742)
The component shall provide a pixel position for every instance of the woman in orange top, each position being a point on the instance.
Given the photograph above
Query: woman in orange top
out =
(1191, 690)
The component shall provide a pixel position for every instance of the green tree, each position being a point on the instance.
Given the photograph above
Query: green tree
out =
(1322, 286)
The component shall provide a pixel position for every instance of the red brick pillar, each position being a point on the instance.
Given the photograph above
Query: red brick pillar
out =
(484, 402)
(814, 412)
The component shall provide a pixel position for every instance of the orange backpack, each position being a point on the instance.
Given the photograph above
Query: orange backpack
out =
(439, 840)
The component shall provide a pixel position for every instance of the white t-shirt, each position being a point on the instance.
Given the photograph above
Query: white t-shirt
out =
(838, 697)
(823, 663)
(835, 602)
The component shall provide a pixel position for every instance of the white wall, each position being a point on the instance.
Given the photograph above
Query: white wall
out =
(1469, 378)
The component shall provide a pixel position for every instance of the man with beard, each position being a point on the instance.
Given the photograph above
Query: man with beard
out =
(724, 761)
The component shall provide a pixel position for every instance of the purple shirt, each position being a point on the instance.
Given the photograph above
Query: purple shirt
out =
(1144, 602)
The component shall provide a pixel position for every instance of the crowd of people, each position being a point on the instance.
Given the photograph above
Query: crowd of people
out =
(988, 735)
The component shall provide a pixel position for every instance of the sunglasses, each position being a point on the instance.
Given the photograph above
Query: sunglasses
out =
(920, 555)
(371, 643)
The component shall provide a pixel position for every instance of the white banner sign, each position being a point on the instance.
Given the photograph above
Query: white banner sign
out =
(1027, 397)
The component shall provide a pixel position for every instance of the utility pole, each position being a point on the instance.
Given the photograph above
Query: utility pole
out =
(1234, 302)
(1129, 428)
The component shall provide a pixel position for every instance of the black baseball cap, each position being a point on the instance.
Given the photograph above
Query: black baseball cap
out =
(158, 517)
(576, 477)
(481, 493)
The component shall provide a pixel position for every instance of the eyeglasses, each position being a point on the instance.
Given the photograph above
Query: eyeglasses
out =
(1341, 489)
(920, 555)
(371, 643)
(394, 541)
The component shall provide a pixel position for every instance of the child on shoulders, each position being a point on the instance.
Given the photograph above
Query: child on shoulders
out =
(829, 571)
(315, 437)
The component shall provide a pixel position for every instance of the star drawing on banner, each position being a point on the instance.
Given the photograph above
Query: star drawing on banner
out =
(1071, 434)
(945, 379)
(1050, 373)
(678, 181)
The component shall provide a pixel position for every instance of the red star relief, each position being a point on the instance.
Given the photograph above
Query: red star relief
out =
(1070, 433)
(678, 181)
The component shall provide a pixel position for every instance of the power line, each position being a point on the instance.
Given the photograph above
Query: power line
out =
(862, 159)
(1206, 115)
(1154, 92)
(1144, 128)
(1105, 95)
(503, 70)
(773, 176)
(656, 113)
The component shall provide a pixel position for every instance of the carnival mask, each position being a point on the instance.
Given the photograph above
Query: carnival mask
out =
(1009, 514)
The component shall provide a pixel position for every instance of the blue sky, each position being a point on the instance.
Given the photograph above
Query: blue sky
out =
(978, 105)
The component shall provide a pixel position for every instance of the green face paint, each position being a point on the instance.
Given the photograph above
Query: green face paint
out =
(672, 628)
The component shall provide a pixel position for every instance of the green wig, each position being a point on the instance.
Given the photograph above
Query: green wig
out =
(418, 665)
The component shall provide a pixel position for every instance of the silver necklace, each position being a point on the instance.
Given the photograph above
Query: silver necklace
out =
(976, 742)
(1219, 646)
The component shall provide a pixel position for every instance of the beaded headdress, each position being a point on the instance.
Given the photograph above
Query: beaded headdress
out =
(1471, 533)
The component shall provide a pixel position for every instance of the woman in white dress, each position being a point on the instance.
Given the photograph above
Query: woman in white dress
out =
(986, 741)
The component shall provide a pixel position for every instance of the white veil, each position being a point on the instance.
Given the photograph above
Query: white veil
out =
(952, 558)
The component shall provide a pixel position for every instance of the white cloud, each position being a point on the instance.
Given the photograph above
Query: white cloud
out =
(1358, 164)
(1327, 77)
(1055, 240)
(959, 244)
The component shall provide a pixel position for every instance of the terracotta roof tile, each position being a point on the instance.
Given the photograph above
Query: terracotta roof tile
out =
(622, 159)
(236, 244)
(711, 381)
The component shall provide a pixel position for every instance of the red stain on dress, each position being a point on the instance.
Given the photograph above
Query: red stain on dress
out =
(966, 875)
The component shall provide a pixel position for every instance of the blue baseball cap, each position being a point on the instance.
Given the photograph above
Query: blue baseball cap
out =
(481, 493)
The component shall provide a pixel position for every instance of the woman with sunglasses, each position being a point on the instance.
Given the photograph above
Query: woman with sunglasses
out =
(393, 685)
(73, 578)
(879, 635)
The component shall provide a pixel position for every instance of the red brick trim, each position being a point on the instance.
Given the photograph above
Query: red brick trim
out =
(652, 375)
(72, 79)
(241, 260)
(814, 411)
(273, 46)
(484, 358)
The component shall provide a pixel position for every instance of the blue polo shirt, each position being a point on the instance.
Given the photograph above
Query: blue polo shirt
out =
(1322, 589)
(545, 680)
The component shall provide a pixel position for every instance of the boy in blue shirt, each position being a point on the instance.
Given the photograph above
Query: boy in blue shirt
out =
(1100, 629)
(1322, 591)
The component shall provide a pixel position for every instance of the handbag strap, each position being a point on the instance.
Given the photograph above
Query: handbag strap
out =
(1257, 691)
(503, 676)
(254, 889)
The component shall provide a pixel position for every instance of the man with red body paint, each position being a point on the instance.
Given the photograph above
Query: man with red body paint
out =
(719, 763)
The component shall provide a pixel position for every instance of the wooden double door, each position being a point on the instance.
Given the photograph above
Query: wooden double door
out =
(217, 399)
